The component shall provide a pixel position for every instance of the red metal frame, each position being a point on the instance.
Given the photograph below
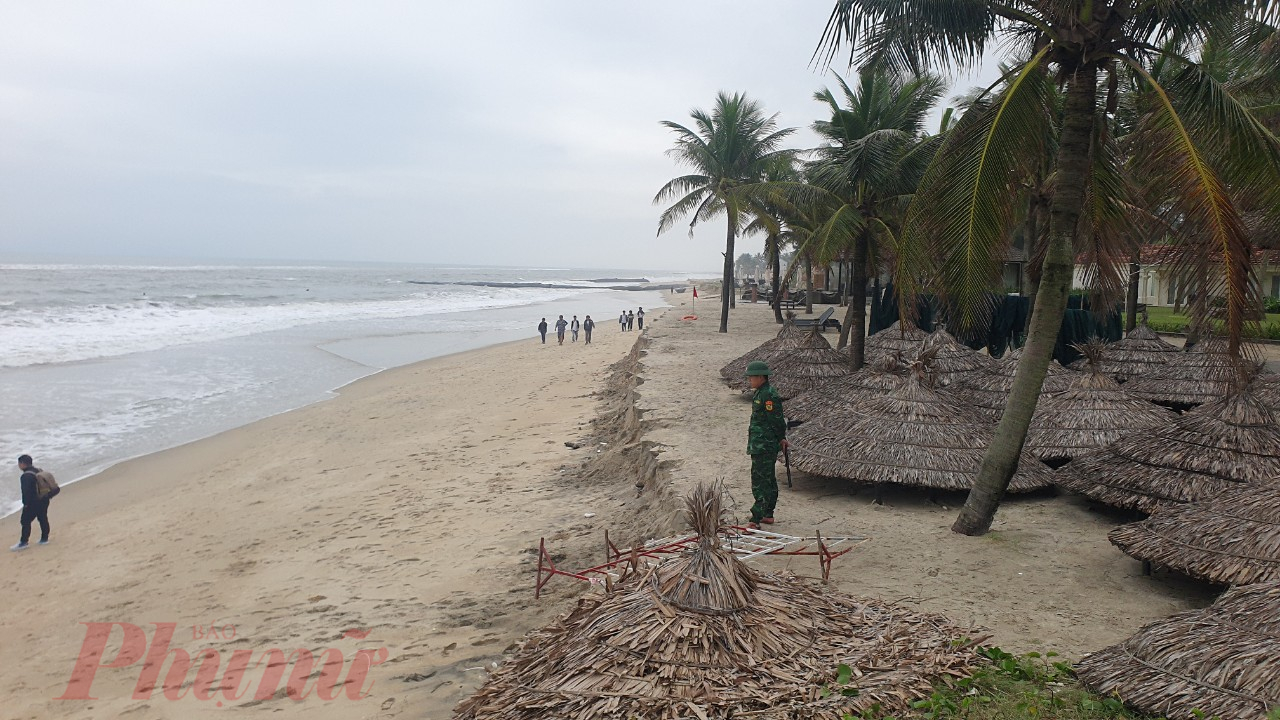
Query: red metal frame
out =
(616, 557)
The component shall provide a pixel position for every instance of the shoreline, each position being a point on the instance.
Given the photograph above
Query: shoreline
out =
(87, 483)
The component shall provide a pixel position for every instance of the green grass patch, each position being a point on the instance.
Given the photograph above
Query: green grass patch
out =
(1012, 687)
(1164, 319)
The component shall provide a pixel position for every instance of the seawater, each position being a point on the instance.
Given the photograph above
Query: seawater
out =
(103, 362)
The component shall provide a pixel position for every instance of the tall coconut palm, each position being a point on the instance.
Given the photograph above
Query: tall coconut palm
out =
(873, 153)
(771, 221)
(1195, 131)
(732, 145)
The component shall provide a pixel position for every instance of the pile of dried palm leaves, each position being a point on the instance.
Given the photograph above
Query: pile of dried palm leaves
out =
(1203, 374)
(788, 337)
(910, 436)
(1232, 538)
(1200, 455)
(988, 392)
(1139, 354)
(1095, 412)
(704, 636)
(881, 376)
(1222, 661)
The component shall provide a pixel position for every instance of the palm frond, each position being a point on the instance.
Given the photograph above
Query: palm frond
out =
(909, 35)
(962, 209)
(1212, 232)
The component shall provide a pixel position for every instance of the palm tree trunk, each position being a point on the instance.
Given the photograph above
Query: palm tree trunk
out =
(1001, 458)
(856, 322)
(1033, 278)
(726, 290)
(1131, 298)
(808, 284)
(776, 252)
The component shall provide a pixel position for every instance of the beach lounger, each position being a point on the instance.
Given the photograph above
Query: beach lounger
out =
(822, 322)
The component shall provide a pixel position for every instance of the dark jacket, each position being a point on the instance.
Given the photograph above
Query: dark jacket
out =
(542, 327)
(30, 495)
(768, 426)
(589, 325)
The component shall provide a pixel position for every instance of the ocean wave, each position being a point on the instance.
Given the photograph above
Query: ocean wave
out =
(54, 335)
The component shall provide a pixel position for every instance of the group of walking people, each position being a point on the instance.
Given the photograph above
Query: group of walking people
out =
(573, 326)
(629, 320)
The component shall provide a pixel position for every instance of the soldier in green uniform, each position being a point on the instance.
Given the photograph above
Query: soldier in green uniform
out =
(766, 437)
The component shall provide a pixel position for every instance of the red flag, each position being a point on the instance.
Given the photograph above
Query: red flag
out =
(695, 292)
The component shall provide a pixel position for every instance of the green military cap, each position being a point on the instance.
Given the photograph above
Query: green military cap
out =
(757, 367)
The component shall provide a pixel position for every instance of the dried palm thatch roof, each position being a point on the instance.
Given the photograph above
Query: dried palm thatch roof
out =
(704, 636)
(953, 361)
(1201, 454)
(910, 436)
(1139, 354)
(1267, 387)
(1232, 538)
(988, 392)
(1222, 660)
(883, 375)
(801, 369)
(1095, 412)
(789, 336)
(1205, 373)
(896, 338)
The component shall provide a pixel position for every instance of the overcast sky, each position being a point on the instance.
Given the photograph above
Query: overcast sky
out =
(512, 133)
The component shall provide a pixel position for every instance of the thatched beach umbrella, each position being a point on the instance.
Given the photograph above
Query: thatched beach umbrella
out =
(905, 340)
(1139, 354)
(804, 368)
(910, 436)
(1232, 538)
(1201, 454)
(953, 361)
(1094, 412)
(1267, 387)
(1222, 661)
(883, 375)
(705, 636)
(1203, 374)
(789, 336)
(989, 391)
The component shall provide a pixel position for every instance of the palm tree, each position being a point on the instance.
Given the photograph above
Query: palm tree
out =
(873, 153)
(1194, 130)
(732, 145)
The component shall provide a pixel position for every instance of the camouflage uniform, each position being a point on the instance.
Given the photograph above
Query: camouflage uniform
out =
(764, 440)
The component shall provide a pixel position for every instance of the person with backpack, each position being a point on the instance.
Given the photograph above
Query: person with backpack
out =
(38, 488)
(587, 326)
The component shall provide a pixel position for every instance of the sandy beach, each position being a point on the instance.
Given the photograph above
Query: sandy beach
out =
(407, 507)
(410, 507)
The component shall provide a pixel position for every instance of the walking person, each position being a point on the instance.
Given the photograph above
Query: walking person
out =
(573, 328)
(35, 506)
(542, 330)
(766, 437)
(587, 326)
(622, 321)
(640, 318)
(631, 320)
(560, 326)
